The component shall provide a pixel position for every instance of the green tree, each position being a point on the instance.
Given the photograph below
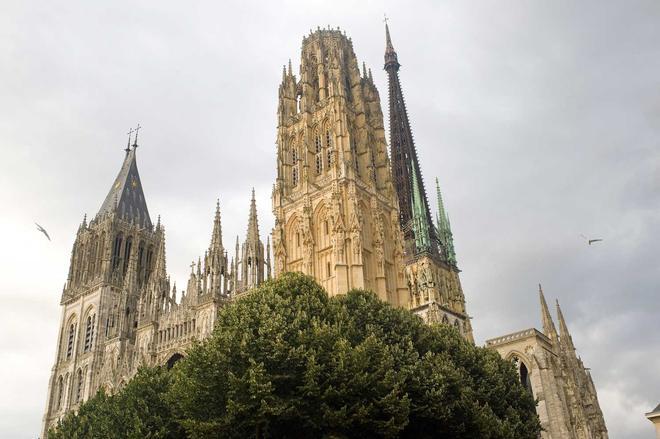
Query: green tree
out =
(287, 361)
(139, 410)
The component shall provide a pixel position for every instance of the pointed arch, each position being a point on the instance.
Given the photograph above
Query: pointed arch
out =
(294, 244)
(71, 326)
(116, 250)
(90, 328)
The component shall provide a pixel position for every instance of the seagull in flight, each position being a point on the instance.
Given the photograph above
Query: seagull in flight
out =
(591, 241)
(42, 230)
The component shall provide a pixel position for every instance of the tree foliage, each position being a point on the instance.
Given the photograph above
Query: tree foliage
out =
(138, 411)
(288, 361)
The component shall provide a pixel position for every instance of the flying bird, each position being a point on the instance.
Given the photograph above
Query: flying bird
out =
(591, 241)
(42, 230)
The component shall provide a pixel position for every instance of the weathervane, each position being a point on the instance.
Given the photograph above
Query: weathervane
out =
(385, 19)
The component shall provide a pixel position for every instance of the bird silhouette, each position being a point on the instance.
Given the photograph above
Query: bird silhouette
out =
(42, 230)
(591, 241)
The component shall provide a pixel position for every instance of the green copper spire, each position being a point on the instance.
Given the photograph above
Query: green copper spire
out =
(445, 236)
(420, 224)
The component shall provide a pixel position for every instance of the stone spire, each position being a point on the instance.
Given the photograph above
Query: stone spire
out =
(252, 251)
(216, 236)
(564, 336)
(548, 325)
(253, 222)
(415, 216)
(445, 235)
(126, 198)
(216, 263)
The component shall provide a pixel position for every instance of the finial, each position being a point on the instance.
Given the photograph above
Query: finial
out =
(135, 144)
(290, 70)
(252, 194)
(128, 146)
(364, 70)
(371, 78)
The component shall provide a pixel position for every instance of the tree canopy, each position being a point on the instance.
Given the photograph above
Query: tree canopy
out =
(288, 361)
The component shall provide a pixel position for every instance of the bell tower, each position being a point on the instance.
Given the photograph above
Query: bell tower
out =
(113, 258)
(335, 207)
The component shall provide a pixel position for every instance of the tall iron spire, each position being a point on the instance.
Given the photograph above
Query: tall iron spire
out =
(415, 216)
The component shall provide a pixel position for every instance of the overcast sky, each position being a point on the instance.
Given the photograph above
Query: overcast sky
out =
(541, 120)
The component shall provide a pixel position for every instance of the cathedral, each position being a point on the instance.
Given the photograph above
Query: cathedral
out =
(348, 211)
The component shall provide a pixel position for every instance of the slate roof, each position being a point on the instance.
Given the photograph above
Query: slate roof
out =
(126, 197)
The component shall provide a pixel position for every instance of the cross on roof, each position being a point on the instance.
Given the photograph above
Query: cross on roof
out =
(136, 135)
(128, 146)
(385, 19)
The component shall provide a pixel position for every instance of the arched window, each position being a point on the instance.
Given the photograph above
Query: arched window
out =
(294, 163)
(116, 250)
(70, 339)
(523, 373)
(319, 153)
(127, 254)
(79, 385)
(89, 332)
(457, 325)
(445, 320)
(356, 159)
(60, 393)
(328, 145)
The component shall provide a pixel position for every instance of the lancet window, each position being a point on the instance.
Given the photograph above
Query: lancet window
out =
(318, 149)
(70, 339)
(89, 332)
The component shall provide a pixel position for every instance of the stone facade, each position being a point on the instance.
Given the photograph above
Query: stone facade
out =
(548, 366)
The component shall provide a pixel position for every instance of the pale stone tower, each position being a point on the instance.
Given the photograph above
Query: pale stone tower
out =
(550, 369)
(113, 257)
(432, 274)
(336, 215)
(119, 310)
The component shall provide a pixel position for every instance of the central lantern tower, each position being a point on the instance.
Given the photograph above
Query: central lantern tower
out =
(335, 207)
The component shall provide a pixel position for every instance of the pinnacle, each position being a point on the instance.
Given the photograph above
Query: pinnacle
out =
(548, 325)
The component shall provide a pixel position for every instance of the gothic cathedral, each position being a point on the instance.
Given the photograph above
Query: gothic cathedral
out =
(347, 211)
